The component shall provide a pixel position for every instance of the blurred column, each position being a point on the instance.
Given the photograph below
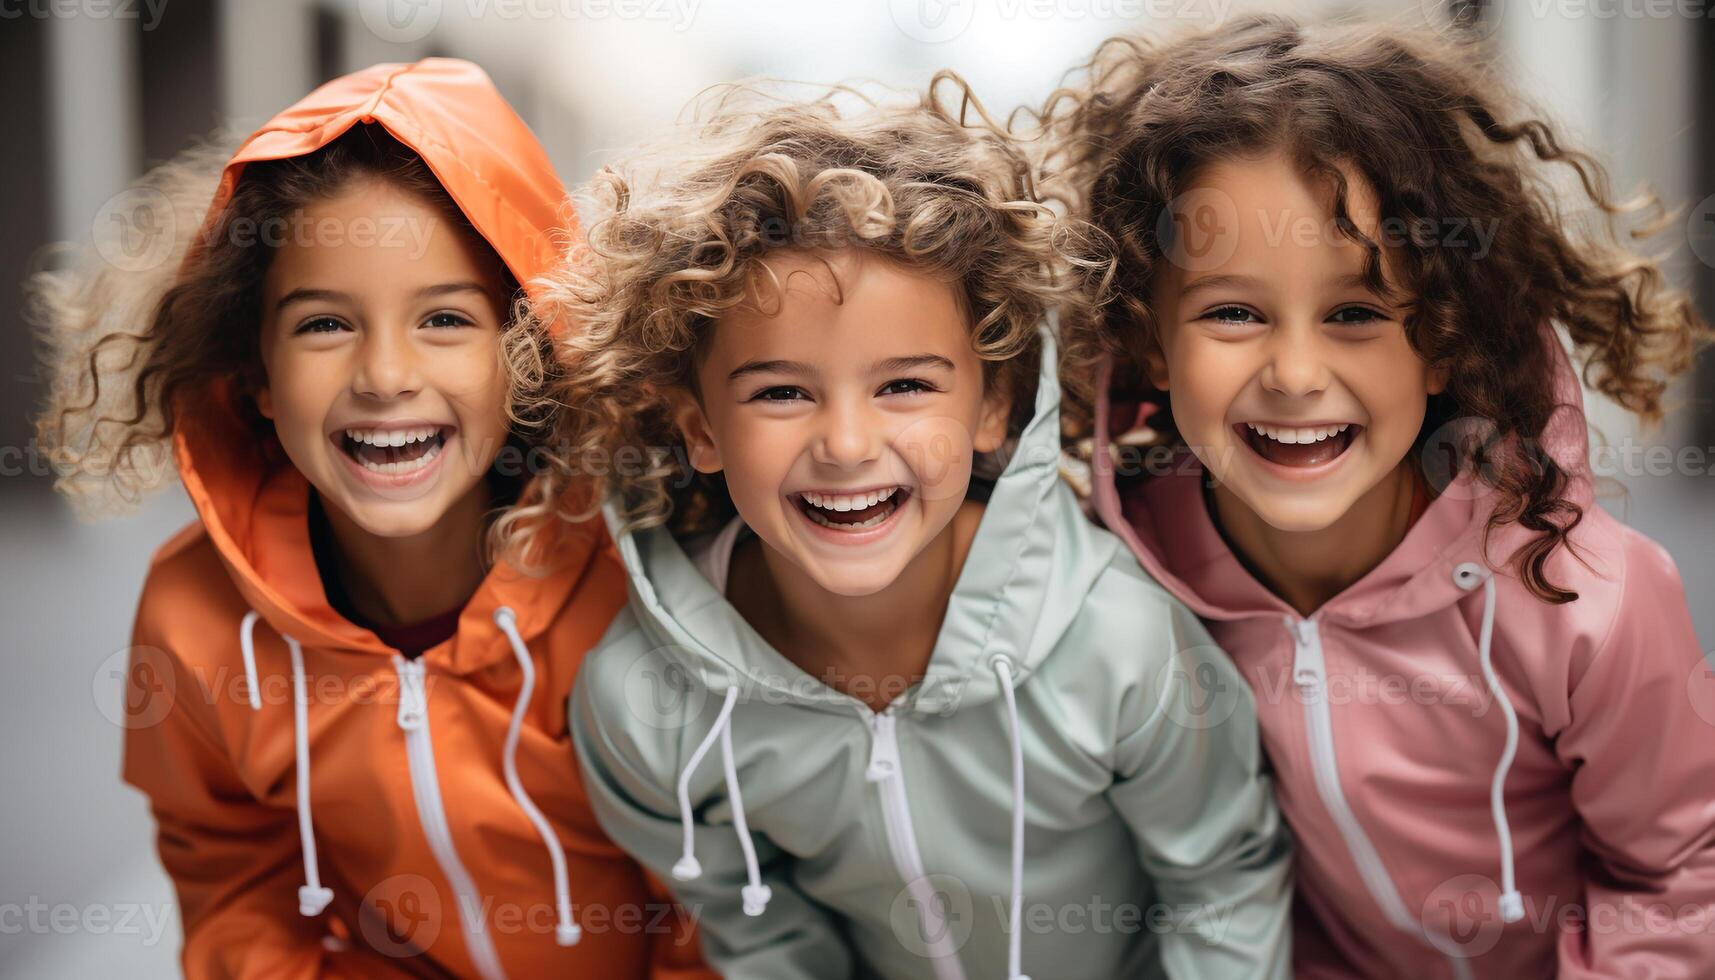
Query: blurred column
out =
(268, 57)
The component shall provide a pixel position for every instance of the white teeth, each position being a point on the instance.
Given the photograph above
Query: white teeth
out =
(1292, 436)
(394, 437)
(405, 466)
(841, 502)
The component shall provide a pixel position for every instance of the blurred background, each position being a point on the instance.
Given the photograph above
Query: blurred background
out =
(99, 90)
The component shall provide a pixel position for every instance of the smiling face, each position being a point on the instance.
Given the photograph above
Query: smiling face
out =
(845, 417)
(383, 360)
(1292, 382)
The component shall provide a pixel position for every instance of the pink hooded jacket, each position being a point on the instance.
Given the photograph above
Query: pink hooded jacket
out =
(1429, 844)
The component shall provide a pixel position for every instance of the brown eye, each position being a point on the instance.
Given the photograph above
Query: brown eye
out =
(320, 324)
(444, 320)
(1231, 314)
(906, 386)
(1356, 315)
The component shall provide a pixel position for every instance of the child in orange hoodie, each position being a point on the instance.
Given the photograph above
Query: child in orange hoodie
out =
(348, 714)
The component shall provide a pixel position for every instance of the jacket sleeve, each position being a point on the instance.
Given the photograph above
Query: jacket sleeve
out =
(1640, 741)
(635, 798)
(675, 953)
(1190, 784)
(234, 862)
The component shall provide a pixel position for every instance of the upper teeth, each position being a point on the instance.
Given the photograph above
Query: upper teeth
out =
(847, 501)
(1281, 433)
(391, 437)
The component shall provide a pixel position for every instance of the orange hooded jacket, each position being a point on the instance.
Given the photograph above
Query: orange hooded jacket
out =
(325, 807)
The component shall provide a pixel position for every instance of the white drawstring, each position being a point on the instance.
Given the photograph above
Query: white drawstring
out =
(312, 897)
(755, 895)
(566, 932)
(1467, 575)
(1014, 951)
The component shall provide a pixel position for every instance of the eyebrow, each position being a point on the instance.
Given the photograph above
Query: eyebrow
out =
(906, 363)
(1219, 282)
(306, 294)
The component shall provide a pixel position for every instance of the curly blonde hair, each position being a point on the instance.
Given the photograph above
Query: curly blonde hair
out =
(131, 345)
(677, 239)
(1430, 127)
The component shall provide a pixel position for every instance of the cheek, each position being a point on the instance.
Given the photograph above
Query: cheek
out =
(933, 454)
(1206, 379)
(756, 452)
(302, 390)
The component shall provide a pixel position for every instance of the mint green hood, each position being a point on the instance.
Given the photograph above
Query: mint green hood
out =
(843, 842)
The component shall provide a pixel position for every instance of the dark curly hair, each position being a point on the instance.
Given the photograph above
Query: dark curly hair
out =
(1424, 121)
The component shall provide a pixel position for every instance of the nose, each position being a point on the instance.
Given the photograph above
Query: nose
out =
(847, 434)
(1297, 364)
(387, 366)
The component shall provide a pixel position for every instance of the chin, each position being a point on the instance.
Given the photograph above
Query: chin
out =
(400, 520)
(855, 583)
(1301, 518)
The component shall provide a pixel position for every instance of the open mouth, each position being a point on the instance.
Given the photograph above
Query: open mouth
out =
(851, 511)
(1298, 446)
(394, 452)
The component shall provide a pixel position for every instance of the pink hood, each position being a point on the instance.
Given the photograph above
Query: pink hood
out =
(1388, 734)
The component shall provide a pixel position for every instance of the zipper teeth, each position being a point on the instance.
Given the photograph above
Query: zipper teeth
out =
(1325, 765)
(907, 860)
(432, 814)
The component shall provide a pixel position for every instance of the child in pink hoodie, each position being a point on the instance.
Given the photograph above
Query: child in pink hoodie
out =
(1345, 431)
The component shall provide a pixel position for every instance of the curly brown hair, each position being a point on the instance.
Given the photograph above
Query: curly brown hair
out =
(132, 349)
(678, 237)
(1427, 124)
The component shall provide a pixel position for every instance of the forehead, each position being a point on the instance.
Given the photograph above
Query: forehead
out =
(840, 308)
(1242, 215)
(375, 236)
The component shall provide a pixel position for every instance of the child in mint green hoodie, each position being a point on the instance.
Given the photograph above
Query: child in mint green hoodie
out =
(870, 712)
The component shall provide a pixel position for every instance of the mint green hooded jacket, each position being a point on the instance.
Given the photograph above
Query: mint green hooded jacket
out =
(814, 838)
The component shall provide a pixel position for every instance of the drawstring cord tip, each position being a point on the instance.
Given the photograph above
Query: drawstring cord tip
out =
(568, 934)
(687, 869)
(1512, 907)
(756, 898)
(312, 900)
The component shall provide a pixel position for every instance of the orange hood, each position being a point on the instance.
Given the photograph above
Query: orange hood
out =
(495, 171)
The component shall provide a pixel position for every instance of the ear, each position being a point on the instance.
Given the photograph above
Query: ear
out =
(1155, 364)
(1436, 380)
(704, 455)
(991, 424)
(265, 402)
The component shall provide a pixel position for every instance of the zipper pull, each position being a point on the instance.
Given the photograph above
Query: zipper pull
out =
(883, 749)
(1307, 666)
(413, 699)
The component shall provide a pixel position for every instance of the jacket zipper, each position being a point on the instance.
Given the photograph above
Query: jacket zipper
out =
(426, 787)
(885, 771)
(1310, 674)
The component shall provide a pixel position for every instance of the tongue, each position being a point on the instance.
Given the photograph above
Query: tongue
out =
(1300, 453)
